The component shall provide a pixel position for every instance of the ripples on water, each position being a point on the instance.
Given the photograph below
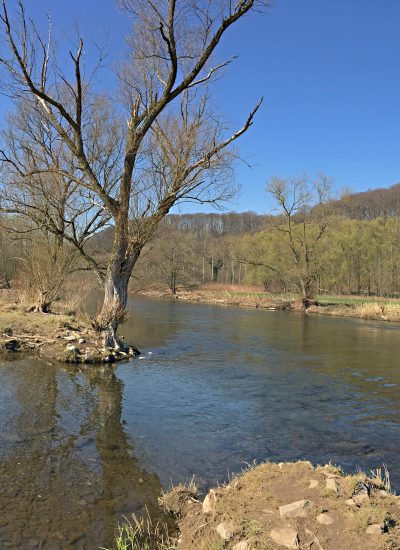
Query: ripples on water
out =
(215, 387)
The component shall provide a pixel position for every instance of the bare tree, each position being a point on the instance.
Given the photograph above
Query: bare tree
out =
(44, 266)
(170, 52)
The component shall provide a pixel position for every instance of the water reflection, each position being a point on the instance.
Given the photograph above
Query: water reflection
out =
(68, 472)
(214, 388)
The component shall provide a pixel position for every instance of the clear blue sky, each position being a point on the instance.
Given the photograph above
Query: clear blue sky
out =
(330, 75)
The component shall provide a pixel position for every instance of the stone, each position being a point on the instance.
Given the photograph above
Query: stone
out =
(375, 529)
(70, 338)
(209, 502)
(298, 509)
(281, 465)
(286, 537)
(242, 545)
(325, 519)
(329, 475)
(70, 348)
(313, 484)
(360, 498)
(82, 341)
(383, 493)
(350, 502)
(332, 485)
(227, 530)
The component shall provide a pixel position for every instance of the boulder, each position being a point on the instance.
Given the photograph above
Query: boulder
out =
(350, 502)
(227, 530)
(298, 509)
(325, 519)
(286, 537)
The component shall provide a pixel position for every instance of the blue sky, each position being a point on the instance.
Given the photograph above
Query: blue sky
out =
(330, 76)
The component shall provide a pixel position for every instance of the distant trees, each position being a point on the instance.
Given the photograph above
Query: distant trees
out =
(129, 163)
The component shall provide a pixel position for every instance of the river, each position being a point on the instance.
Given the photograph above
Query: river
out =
(215, 388)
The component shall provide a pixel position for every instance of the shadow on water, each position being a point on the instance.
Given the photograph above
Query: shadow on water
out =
(214, 388)
(68, 472)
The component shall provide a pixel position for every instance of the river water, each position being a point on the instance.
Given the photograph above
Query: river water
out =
(214, 388)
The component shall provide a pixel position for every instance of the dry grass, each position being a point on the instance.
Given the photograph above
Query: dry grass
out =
(375, 310)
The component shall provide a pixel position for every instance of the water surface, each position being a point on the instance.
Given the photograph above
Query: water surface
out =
(214, 388)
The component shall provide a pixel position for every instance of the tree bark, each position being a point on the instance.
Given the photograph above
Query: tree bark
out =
(116, 283)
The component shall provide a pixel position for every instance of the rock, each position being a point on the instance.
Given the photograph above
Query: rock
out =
(286, 537)
(227, 530)
(313, 542)
(313, 484)
(242, 545)
(281, 465)
(298, 509)
(329, 475)
(325, 519)
(333, 485)
(383, 493)
(70, 338)
(350, 502)
(360, 498)
(376, 529)
(209, 502)
(82, 341)
(70, 348)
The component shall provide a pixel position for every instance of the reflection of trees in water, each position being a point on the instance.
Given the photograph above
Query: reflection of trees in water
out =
(69, 473)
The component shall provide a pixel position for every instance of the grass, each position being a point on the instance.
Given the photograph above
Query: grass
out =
(141, 533)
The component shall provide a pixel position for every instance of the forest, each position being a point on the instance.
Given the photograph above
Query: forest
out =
(346, 246)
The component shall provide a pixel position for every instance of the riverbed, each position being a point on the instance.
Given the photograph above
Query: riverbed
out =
(215, 388)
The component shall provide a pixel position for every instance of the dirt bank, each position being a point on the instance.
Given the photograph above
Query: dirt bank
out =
(378, 311)
(57, 336)
(290, 505)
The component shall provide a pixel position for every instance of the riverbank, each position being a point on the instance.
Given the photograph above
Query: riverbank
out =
(344, 306)
(286, 505)
(59, 335)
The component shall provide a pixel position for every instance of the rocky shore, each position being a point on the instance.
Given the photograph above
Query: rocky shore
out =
(289, 505)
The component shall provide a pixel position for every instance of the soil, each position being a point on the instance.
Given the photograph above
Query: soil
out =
(248, 507)
(57, 335)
